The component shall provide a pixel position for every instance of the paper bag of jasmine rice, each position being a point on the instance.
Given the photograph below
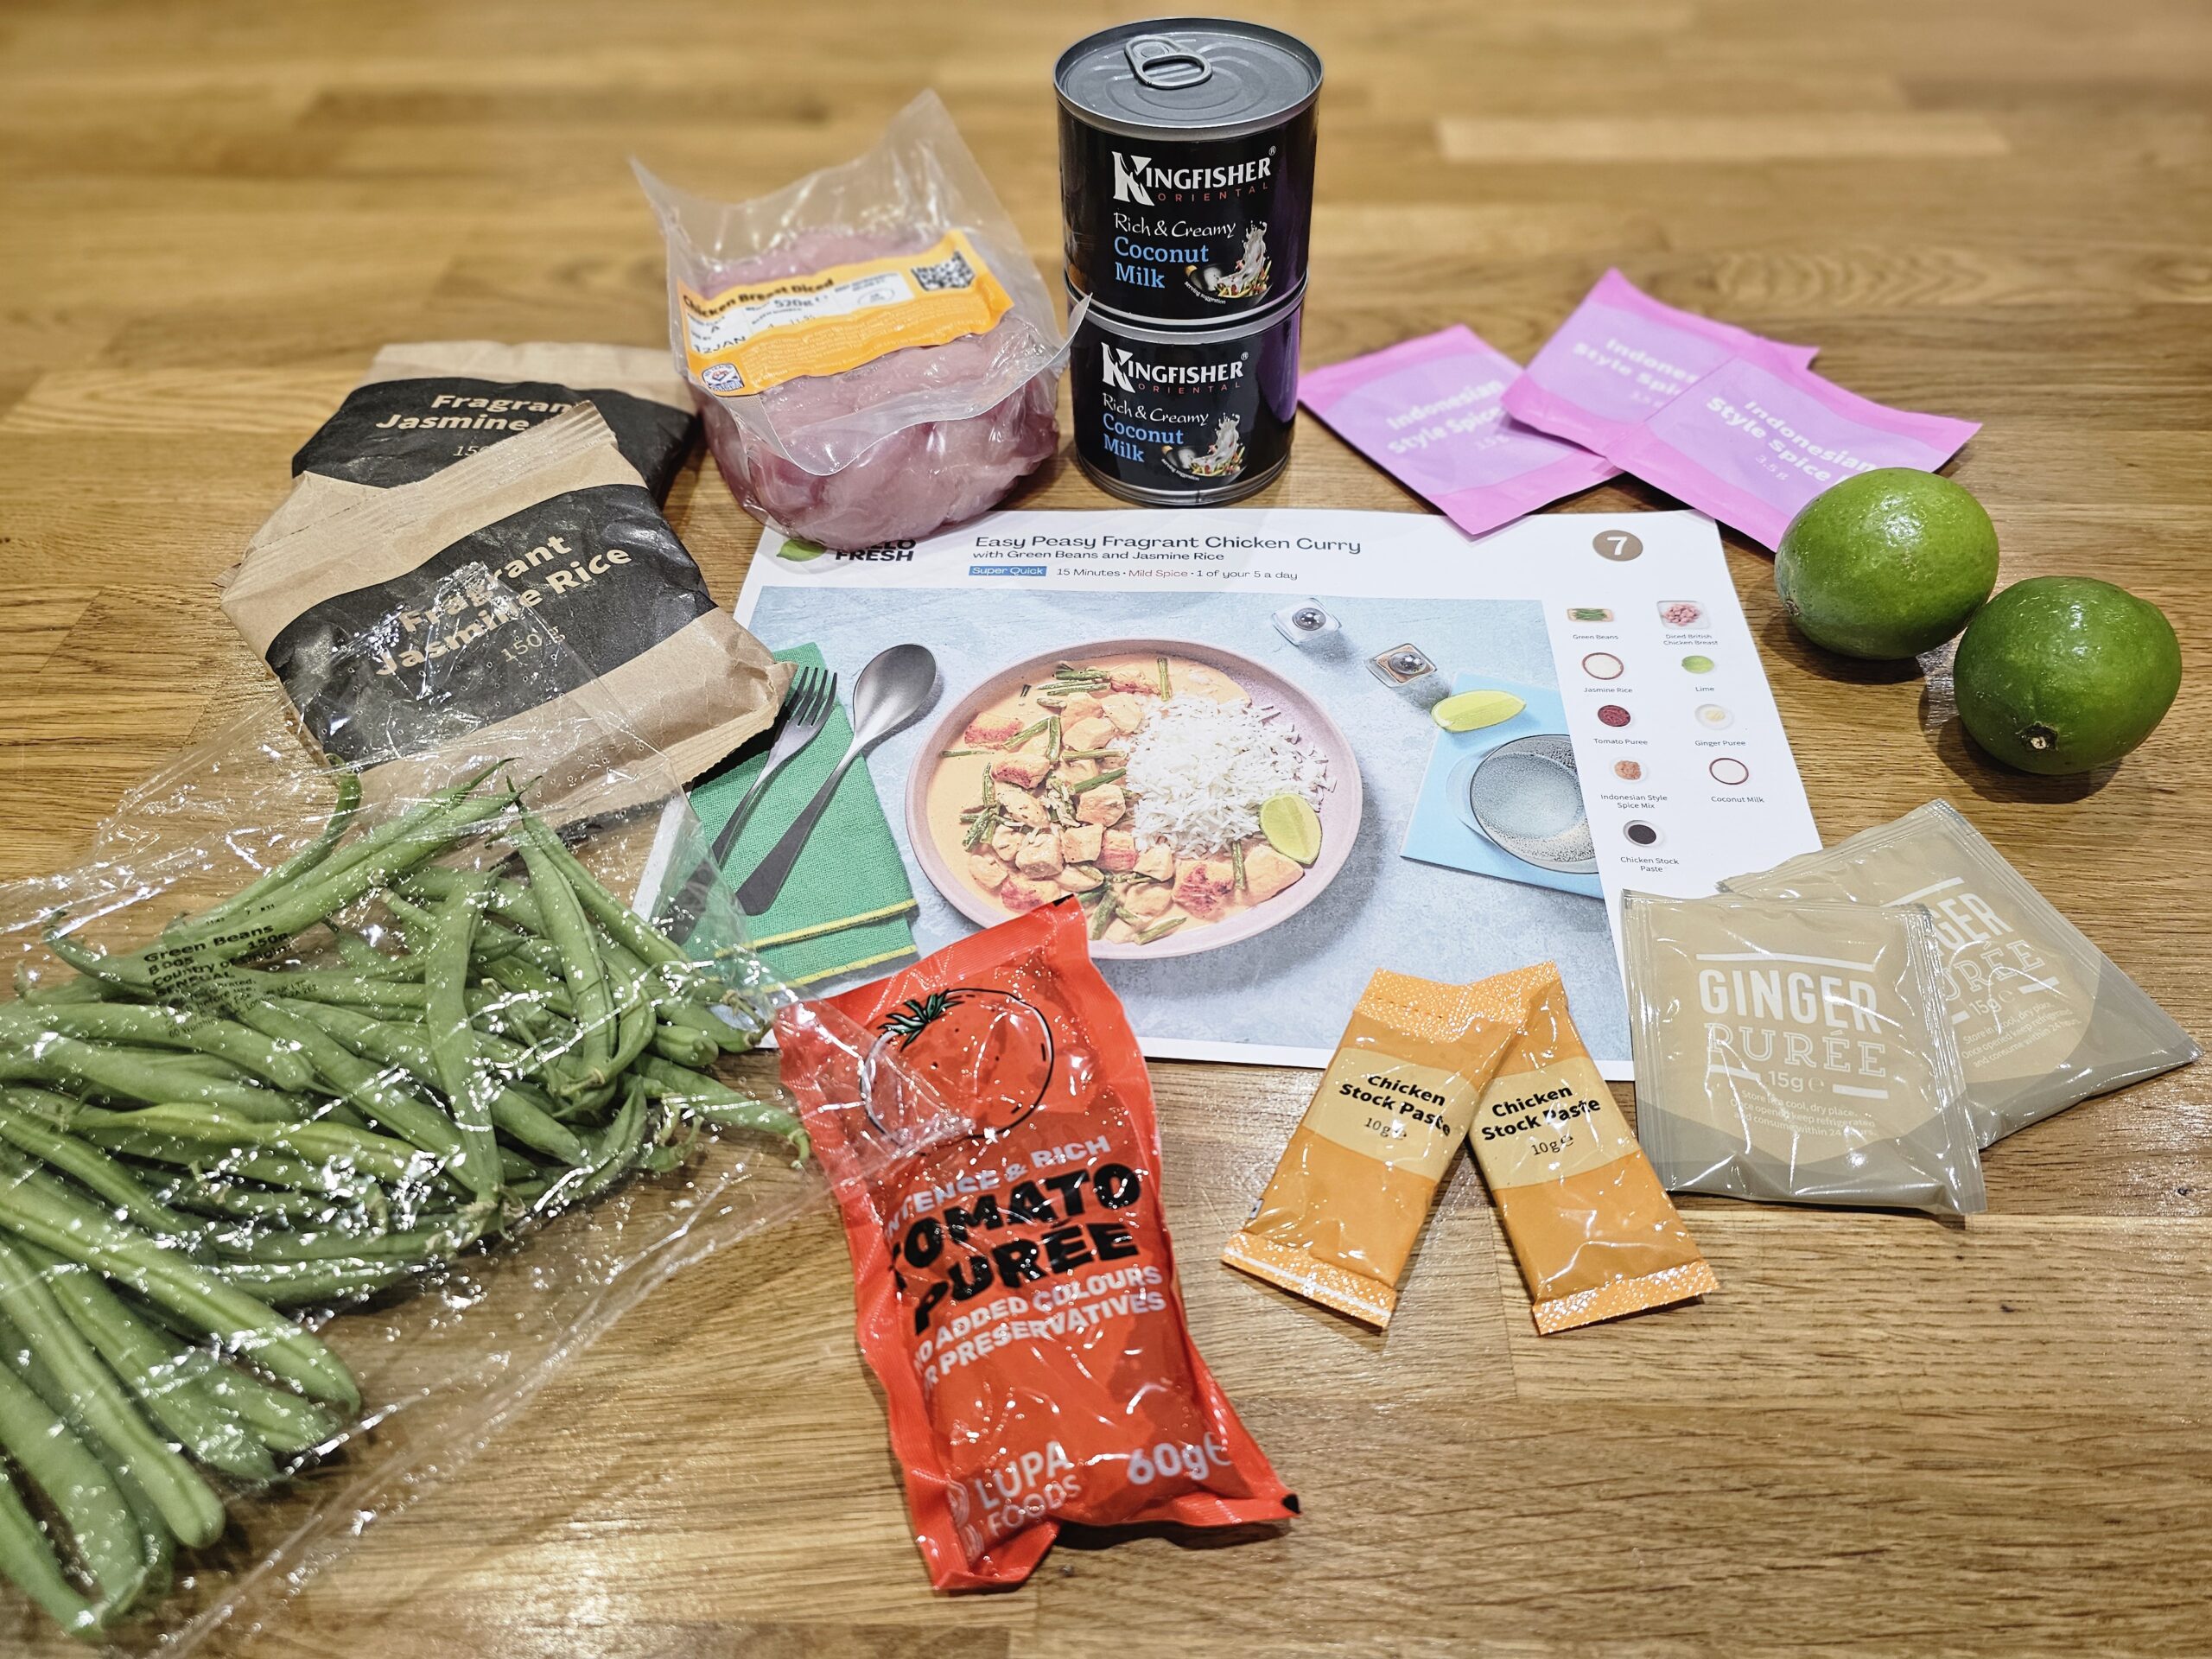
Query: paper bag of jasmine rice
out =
(1796, 1052)
(531, 596)
(425, 405)
(2043, 1018)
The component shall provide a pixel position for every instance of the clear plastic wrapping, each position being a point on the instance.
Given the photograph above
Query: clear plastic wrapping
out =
(2044, 1018)
(409, 1081)
(1796, 1052)
(781, 312)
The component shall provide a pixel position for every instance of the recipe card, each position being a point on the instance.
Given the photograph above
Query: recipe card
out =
(1215, 731)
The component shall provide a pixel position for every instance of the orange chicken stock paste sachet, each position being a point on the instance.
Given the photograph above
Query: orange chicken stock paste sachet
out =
(1423, 1066)
(986, 1122)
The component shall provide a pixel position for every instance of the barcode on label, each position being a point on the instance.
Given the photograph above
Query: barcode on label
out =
(946, 274)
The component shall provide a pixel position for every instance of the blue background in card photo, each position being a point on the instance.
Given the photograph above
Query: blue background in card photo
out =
(1441, 834)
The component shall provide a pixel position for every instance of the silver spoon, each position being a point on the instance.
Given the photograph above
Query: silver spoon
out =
(893, 691)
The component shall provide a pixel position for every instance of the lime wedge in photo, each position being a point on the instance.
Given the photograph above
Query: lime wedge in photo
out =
(1470, 711)
(1292, 827)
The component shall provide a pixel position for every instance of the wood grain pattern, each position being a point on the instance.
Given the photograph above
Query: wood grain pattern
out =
(1885, 1434)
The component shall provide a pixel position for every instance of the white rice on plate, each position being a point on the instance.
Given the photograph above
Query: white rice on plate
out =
(1199, 770)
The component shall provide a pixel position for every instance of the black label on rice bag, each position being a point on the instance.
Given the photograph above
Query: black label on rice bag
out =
(393, 432)
(505, 620)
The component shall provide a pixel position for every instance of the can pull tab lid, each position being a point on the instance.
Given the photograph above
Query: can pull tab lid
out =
(1162, 64)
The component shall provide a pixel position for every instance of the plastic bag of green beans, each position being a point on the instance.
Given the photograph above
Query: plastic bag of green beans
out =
(329, 1130)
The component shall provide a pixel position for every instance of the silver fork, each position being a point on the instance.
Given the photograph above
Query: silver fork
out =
(808, 703)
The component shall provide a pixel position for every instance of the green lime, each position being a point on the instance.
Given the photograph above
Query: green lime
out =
(2061, 674)
(1292, 827)
(1470, 711)
(1887, 564)
(1698, 664)
(799, 551)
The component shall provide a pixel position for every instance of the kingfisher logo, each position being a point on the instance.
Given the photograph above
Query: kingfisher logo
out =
(1129, 182)
(1126, 372)
(1135, 178)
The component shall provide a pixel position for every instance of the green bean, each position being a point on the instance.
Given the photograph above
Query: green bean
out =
(190, 948)
(704, 1097)
(161, 1027)
(509, 898)
(157, 1549)
(234, 1200)
(42, 1210)
(28, 1560)
(640, 939)
(80, 1488)
(157, 1545)
(363, 958)
(683, 1045)
(514, 1113)
(34, 1133)
(468, 1091)
(282, 1421)
(385, 1158)
(138, 1074)
(384, 1102)
(526, 979)
(339, 986)
(271, 1168)
(186, 1503)
(449, 1237)
(371, 862)
(173, 1395)
(334, 827)
(75, 989)
(571, 934)
(289, 1284)
(674, 988)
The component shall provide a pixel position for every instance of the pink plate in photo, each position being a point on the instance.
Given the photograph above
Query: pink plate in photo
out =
(1339, 810)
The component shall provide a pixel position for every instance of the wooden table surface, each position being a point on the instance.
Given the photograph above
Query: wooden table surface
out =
(1885, 1432)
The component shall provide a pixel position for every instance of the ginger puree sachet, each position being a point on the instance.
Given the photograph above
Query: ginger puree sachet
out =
(1346, 1203)
(1594, 1232)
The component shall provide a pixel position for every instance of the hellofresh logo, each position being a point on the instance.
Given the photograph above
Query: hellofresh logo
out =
(1129, 179)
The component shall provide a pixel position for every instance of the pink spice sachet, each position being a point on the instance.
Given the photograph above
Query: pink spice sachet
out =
(1427, 411)
(1621, 358)
(1756, 439)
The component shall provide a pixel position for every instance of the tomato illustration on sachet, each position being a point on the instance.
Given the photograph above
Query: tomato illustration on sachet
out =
(981, 1055)
(986, 1124)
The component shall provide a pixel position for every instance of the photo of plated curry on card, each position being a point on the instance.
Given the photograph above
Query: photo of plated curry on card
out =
(1187, 796)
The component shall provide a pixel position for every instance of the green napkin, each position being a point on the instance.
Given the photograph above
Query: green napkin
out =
(846, 903)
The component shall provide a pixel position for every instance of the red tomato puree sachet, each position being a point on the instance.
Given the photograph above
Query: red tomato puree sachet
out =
(987, 1121)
